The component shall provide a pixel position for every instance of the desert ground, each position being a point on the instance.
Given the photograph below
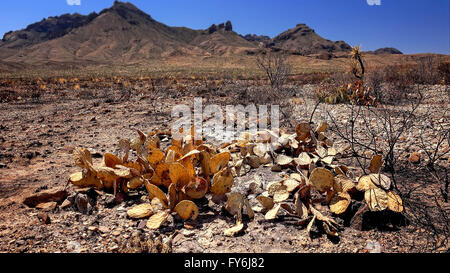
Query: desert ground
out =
(45, 115)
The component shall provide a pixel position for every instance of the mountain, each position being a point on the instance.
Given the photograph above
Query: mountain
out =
(47, 29)
(303, 40)
(257, 38)
(120, 34)
(123, 34)
(221, 40)
(385, 51)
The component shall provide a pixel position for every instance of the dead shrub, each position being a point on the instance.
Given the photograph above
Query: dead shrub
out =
(436, 149)
(8, 95)
(375, 80)
(275, 66)
(377, 130)
(427, 71)
(35, 95)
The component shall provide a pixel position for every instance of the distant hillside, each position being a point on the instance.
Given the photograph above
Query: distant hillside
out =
(385, 50)
(120, 34)
(303, 40)
(221, 40)
(123, 34)
(47, 29)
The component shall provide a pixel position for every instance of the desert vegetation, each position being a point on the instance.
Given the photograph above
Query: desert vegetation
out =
(88, 161)
(375, 132)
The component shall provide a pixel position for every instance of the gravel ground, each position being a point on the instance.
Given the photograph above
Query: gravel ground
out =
(37, 140)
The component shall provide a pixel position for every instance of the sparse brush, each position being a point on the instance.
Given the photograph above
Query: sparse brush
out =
(444, 71)
(354, 93)
(275, 66)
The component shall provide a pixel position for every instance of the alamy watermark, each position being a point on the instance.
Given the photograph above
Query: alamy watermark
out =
(214, 125)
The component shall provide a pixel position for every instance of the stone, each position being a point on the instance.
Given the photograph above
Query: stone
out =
(142, 224)
(255, 186)
(50, 206)
(253, 161)
(276, 168)
(103, 229)
(52, 195)
(93, 228)
(414, 158)
(114, 248)
(66, 204)
(82, 203)
(178, 239)
(109, 200)
(44, 218)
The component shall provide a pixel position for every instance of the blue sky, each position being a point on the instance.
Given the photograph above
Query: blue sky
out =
(413, 26)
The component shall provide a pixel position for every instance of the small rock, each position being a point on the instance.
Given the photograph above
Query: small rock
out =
(276, 168)
(66, 204)
(178, 239)
(109, 200)
(103, 229)
(114, 248)
(50, 206)
(187, 233)
(44, 218)
(93, 228)
(253, 161)
(255, 187)
(82, 190)
(414, 158)
(190, 225)
(52, 195)
(142, 224)
(82, 203)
